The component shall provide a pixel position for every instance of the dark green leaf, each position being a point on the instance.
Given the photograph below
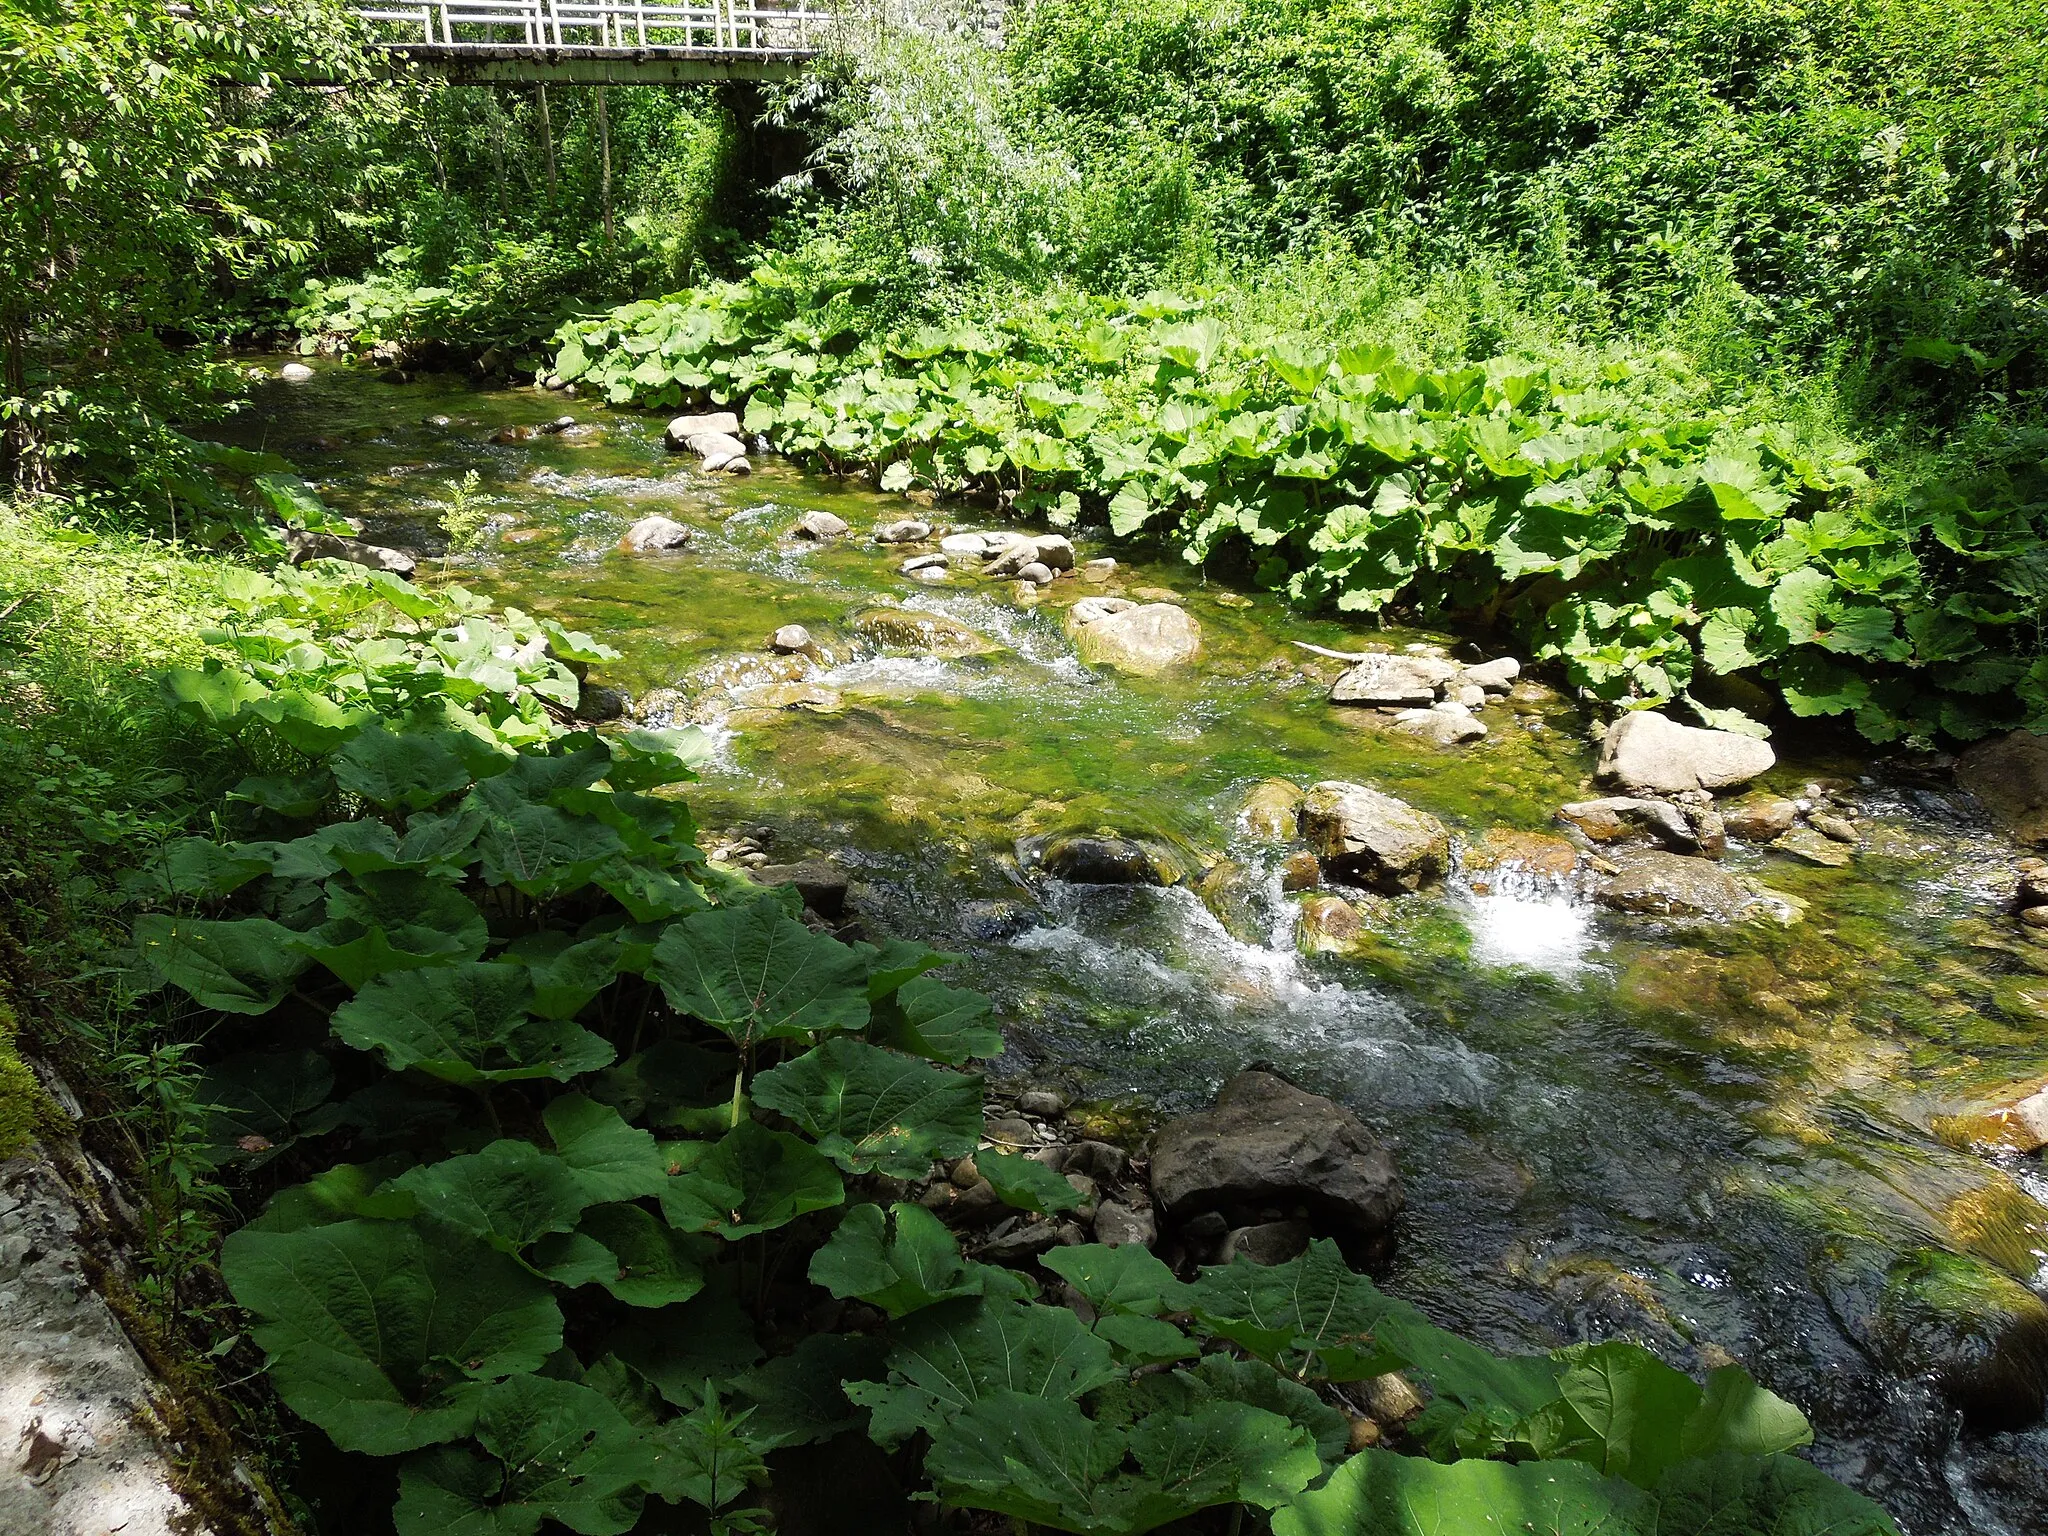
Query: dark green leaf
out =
(753, 1180)
(872, 1110)
(758, 974)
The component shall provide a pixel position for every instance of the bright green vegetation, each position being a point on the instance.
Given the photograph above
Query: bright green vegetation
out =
(619, 1098)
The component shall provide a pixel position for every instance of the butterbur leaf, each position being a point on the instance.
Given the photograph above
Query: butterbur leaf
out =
(1038, 1460)
(465, 1023)
(273, 1097)
(216, 694)
(239, 965)
(896, 963)
(645, 757)
(609, 1159)
(1378, 1493)
(1732, 1492)
(1310, 1314)
(567, 974)
(379, 1332)
(412, 770)
(874, 1111)
(1736, 1414)
(940, 1023)
(751, 1181)
(1249, 1381)
(648, 895)
(678, 1349)
(1145, 1340)
(800, 1398)
(900, 1260)
(198, 866)
(509, 1194)
(557, 1450)
(959, 1352)
(1126, 1278)
(395, 920)
(1633, 1406)
(1225, 1453)
(758, 974)
(647, 1263)
(542, 850)
(1026, 1183)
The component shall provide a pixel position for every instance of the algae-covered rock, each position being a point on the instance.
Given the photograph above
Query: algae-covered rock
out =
(1144, 639)
(2009, 774)
(1272, 811)
(1373, 840)
(1503, 853)
(1811, 847)
(653, 535)
(1979, 1333)
(936, 634)
(1624, 816)
(1760, 821)
(1098, 858)
(1231, 893)
(1326, 925)
(1651, 881)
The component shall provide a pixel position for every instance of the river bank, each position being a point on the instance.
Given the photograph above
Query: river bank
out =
(1718, 1137)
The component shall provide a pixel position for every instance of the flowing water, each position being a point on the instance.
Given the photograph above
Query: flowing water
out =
(1715, 1138)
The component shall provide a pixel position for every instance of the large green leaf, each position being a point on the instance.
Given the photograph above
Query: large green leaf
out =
(567, 973)
(395, 920)
(610, 1159)
(509, 1194)
(380, 1332)
(1732, 1494)
(1026, 1183)
(640, 1259)
(542, 850)
(874, 1111)
(899, 1260)
(556, 1450)
(236, 965)
(752, 1180)
(1380, 1494)
(927, 1018)
(758, 974)
(465, 1023)
(410, 771)
(948, 1356)
(1126, 1278)
(1311, 1314)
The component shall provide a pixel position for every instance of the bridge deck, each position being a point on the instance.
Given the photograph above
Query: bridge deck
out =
(602, 42)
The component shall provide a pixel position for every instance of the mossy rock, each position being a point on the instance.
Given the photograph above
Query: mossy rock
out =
(25, 1109)
(1979, 1333)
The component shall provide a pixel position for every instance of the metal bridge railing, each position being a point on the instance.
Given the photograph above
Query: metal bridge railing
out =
(725, 26)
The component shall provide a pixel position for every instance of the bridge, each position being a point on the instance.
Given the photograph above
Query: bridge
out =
(603, 42)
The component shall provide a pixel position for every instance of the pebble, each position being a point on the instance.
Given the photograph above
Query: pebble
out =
(1834, 827)
(790, 639)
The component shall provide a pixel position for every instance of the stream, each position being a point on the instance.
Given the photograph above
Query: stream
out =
(1716, 1137)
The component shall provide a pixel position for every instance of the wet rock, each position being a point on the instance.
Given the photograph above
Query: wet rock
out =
(1083, 858)
(1096, 572)
(1024, 593)
(1270, 1242)
(1326, 925)
(1645, 750)
(917, 563)
(1836, 829)
(1118, 1225)
(1042, 1102)
(806, 696)
(1300, 872)
(301, 546)
(1466, 695)
(1664, 884)
(1810, 847)
(1441, 725)
(1390, 680)
(1272, 811)
(792, 640)
(820, 526)
(1496, 676)
(2020, 1123)
(935, 634)
(977, 546)
(1503, 852)
(930, 575)
(684, 430)
(559, 425)
(1369, 839)
(996, 919)
(1026, 1240)
(721, 451)
(515, 434)
(1098, 1159)
(1142, 639)
(1156, 595)
(295, 373)
(1035, 573)
(1981, 1334)
(1390, 1399)
(1620, 816)
(1269, 1143)
(596, 703)
(820, 882)
(1053, 551)
(2009, 775)
(909, 530)
(661, 706)
(1011, 1133)
(2031, 890)
(654, 535)
(1760, 821)
(1231, 893)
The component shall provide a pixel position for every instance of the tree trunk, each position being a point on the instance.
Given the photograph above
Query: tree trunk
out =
(547, 138)
(604, 149)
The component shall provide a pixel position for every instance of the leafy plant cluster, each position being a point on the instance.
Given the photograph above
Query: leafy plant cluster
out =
(1630, 525)
(573, 1135)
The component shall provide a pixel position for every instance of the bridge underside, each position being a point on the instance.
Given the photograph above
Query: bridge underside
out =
(486, 64)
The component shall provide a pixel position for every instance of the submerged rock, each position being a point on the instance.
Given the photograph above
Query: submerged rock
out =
(820, 526)
(1979, 1333)
(792, 640)
(1089, 858)
(1645, 750)
(1268, 1143)
(1673, 885)
(808, 696)
(1272, 811)
(2020, 1123)
(654, 535)
(1096, 572)
(1391, 680)
(2009, 775)
(1142, 639)
(1441, 725)
(1502, 852)
(1325, 925)
(1810, 847)
(935, 634)
(295, 373)
(1373, 840)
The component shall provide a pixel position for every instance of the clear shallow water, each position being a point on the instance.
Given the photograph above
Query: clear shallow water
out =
(1705, 1137)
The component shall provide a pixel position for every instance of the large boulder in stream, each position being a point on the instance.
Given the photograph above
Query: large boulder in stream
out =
(1369, 839)
(1140, 638)
(655, 535)
(907, 629)
(1391, 680)
(1645, 750)
(2009, 774)
(1660, 884)
(684, 430)
(301, 546)
(1269, 1147)
(1098, 858)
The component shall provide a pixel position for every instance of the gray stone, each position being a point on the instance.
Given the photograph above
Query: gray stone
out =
(1441, 725)
(1272, 811)
(301, 546)
(1026, 1240)
(685, 428)
(1141, 639)
(1811, 847)
(295, 373)
(1270, 1242)
(1760, 821)
(1035, 573)
(819, 525)
(906, 629)
(1042, 1102)
(791, 640)
(907, 530)
(1053, 551)
(1269, 1143)
(972, 546)
(1118, 1225)
(1390, 1399)
(1645, 750)
(654, 535)
(1085, 858)
(1096, 572)
(1010, 1132)
(918, 563)
(1621, 816)
(1471, 695)
(1661, 884)
(821, 883)
(805, 696)
(930, 575)
(1496, 676)
(2009, 775)
(1835, 828)
(1390, 680)
(1373, 840)
(1098, 1159)
(1326, 925)
(596, 703)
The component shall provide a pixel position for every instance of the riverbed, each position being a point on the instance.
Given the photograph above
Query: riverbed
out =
(1720, 1138)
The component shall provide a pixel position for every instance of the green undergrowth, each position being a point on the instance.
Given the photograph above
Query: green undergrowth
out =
(585, 1165)
(1647, 530)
